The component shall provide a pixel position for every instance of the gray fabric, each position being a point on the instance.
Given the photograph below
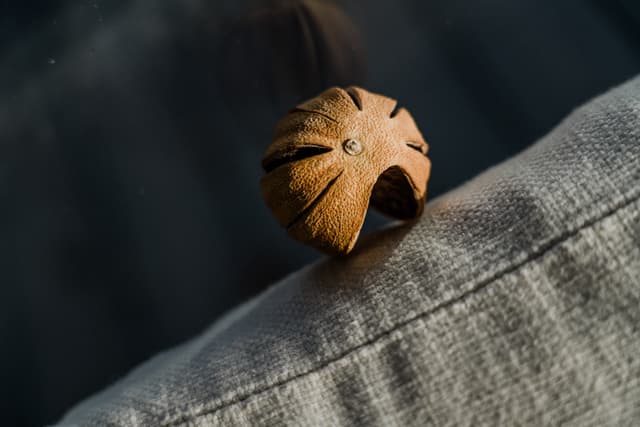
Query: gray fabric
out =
(513, 300)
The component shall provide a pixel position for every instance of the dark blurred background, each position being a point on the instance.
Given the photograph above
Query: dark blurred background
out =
(131, 135)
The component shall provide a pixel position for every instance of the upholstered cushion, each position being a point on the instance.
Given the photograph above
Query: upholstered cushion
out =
(513, 300)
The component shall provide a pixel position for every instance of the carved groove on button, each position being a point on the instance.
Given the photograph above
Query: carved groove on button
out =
(352, 147)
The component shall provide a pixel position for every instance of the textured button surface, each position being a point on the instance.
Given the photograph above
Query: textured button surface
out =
(333, 155)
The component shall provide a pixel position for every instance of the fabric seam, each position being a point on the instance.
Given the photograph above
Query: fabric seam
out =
(478, 287)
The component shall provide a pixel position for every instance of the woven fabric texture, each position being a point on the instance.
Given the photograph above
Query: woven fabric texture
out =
(513, 300)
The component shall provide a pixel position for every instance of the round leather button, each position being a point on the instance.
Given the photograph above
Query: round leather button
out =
(319, 194)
